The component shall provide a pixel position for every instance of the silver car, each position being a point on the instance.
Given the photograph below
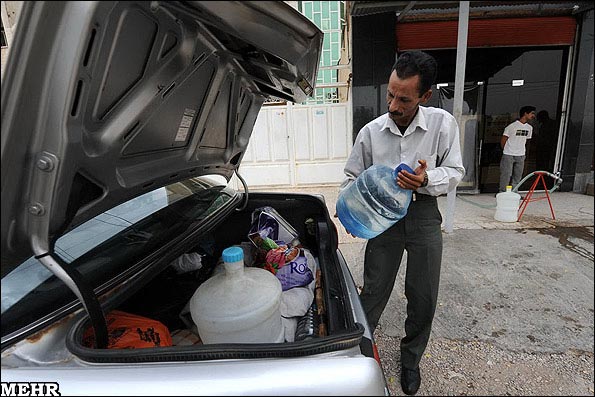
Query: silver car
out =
(122, 125)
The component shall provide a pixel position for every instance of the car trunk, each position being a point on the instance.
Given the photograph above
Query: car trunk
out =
(162, 293)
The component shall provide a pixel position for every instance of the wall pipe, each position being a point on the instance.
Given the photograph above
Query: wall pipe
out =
(458, 101)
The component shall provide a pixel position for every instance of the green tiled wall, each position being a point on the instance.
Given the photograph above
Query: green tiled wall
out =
(329, 16)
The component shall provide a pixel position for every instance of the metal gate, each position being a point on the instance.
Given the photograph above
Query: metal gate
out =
(297, 145)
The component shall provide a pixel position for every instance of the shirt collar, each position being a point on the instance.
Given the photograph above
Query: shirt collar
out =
(418, 121)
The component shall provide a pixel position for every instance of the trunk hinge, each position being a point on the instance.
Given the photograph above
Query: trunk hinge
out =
(84, 292)
(245, 203)
(44, 178)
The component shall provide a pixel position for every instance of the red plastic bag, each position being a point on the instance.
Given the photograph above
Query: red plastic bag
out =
(129, 331)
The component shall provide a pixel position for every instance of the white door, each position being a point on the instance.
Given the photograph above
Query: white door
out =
(296, 145)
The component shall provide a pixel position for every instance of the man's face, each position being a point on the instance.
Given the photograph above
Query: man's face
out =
(402, 98)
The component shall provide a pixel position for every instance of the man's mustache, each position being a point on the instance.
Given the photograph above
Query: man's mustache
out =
(395, 113)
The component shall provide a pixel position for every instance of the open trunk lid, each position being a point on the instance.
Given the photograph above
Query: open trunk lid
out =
(104, 101)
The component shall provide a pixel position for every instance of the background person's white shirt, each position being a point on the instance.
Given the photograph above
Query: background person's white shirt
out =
(517, 134)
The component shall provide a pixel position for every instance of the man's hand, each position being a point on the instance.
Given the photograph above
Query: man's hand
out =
(407, 180)
(347, 231)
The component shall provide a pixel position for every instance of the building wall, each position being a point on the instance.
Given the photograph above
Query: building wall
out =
(329, 16)
(577, 165)
(373, 43)
(4, 58)
(10, 14)
(374, 49)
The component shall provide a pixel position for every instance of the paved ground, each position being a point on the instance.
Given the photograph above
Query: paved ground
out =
(515, 313)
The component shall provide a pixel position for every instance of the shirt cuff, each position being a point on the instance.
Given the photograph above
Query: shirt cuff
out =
(431, 177)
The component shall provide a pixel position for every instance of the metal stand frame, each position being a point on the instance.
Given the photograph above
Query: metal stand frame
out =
(528, 198)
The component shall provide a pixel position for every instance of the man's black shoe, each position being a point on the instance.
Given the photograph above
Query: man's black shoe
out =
(410, 380)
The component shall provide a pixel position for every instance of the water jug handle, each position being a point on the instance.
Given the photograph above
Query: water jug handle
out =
(400, 167)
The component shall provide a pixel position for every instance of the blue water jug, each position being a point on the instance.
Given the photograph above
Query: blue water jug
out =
(373, 202)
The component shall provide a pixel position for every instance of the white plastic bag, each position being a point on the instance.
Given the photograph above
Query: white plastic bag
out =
(187, 262)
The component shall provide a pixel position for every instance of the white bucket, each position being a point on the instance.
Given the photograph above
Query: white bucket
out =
(507, 205)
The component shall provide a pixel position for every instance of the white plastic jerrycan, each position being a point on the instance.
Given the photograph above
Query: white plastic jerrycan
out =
(238, 305)
(507, 205)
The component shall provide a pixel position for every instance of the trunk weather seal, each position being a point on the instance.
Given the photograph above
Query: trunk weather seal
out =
(326, 344)
(334, 289)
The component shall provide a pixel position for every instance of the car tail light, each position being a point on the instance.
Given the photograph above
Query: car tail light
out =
(376, 355)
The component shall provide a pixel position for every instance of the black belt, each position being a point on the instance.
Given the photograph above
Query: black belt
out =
(422, 197)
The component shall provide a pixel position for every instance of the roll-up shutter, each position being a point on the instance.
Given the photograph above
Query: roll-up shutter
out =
(499, 32)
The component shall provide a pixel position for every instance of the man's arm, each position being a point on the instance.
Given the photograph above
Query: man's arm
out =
(503, 141)
(449, 169)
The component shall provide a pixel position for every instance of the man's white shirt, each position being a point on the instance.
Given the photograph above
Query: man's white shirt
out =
(517, 134)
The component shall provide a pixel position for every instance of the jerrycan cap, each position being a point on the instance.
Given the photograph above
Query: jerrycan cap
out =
(232, 254)
(401, 167)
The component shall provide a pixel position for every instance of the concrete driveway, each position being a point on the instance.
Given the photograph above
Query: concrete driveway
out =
(516, 302)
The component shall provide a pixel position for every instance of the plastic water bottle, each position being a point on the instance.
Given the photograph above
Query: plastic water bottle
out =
(238, 305)
(373, 202)
(507, 205)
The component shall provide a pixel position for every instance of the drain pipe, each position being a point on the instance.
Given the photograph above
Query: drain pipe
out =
(458, 101)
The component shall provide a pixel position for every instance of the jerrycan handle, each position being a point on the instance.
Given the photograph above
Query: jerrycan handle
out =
(400, 167)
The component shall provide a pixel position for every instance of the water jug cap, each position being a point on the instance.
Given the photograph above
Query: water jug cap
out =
(400, 167)
(405, 167)
(509, 188)
(232, 254)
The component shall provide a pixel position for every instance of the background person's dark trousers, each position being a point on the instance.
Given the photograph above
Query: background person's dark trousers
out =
(420, 234)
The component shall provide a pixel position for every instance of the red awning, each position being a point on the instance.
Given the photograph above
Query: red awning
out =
(498, 32)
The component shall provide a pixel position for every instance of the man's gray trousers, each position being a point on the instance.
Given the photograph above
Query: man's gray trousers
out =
(419, 233)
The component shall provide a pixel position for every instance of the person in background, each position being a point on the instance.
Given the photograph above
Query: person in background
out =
(546, 142)
(513, 142)
(412, 134)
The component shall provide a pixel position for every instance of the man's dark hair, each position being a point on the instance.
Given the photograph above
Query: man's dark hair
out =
(526, 109)
(412, 63)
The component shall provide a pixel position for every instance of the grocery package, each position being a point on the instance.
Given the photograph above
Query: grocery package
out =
(278, 249)
(291, 265)
(297, 272)
(296, 301)
(267, 223)
(129, 331)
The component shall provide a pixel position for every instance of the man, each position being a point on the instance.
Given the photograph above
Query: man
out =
(426, 138)
(513, 144)
(547, 135)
